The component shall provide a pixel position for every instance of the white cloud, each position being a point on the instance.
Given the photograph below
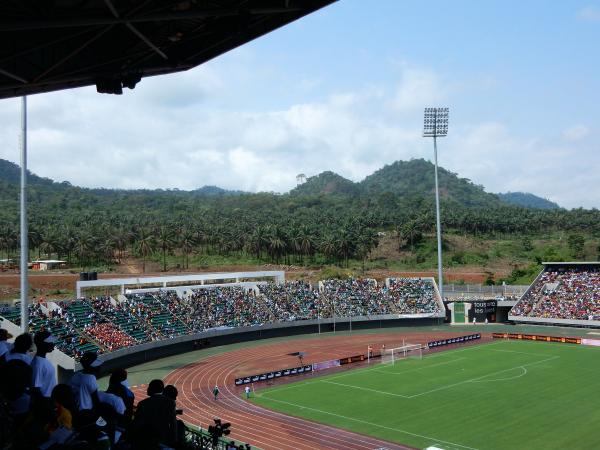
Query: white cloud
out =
(576, 132)
(590, 13)
(417, 89)
(181, 133)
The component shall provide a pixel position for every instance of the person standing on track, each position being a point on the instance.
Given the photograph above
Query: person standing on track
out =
(216, 391)
(247, 391)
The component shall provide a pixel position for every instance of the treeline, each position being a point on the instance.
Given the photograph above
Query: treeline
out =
(90, 229)
(322, 221)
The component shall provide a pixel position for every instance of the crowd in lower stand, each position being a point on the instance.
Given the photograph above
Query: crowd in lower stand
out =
(105, 324)
(294, 300)
(37, 412)
(353, 297)
(563, 293)
(412, 295)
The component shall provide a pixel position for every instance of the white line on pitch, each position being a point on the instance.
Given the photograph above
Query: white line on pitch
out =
(387, 372)
(377, 425)
(441, 388)
(522, 353)
(365, 389)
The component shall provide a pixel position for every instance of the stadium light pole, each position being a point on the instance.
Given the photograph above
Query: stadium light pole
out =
(24, 231)
(435, 125)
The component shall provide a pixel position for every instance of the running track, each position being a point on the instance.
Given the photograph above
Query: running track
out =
(266, 429)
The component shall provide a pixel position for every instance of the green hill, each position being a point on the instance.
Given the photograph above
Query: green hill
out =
(527, 200)
(327, 183)
(416, 178)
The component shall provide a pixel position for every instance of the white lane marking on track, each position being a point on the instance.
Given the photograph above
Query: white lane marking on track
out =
(378, 425)
(441, 388)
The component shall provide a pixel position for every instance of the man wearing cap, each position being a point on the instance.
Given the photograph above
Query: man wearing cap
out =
(43, 372)
(5, 346)
(84, 384)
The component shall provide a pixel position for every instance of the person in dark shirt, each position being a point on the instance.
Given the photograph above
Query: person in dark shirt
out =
(155, 422)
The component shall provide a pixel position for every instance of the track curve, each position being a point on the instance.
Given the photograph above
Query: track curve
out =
(260, 427)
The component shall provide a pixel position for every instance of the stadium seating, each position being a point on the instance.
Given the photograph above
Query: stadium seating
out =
(411, 296)
(102, 324)
(294, 300)
(569, 292)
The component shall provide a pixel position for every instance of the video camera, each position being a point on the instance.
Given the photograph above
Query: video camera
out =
(219, 429)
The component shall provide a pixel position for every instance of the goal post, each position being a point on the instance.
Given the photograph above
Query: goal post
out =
(391, 355)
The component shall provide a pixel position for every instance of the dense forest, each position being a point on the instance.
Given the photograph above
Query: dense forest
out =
(326, 220)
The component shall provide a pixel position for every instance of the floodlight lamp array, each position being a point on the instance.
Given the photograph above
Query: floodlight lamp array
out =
(436, 122)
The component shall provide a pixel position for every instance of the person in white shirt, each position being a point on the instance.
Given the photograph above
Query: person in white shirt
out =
(113, 400)
(43, 372)
(84, 384)
(20, 349)
(5, 346)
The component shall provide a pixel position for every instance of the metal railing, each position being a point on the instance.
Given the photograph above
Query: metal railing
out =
(459, 290)
(199, 439)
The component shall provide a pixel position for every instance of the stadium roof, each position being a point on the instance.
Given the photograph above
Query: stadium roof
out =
(61, 44)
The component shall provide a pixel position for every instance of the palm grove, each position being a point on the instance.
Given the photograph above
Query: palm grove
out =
(327, 220)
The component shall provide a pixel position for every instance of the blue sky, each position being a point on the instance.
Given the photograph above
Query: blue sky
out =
(344, 90)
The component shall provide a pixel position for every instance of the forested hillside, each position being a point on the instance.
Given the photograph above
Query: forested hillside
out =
(528, 200)
(96, 227)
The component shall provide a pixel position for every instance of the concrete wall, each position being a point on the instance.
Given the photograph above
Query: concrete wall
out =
(557, 322)
(150, 351)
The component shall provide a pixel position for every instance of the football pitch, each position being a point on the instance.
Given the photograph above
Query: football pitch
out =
(501, 395)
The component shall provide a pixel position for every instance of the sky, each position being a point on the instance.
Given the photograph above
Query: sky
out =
(344, 90)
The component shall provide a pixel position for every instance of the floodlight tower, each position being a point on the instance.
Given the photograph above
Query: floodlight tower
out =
(436, 125)
(24, 225)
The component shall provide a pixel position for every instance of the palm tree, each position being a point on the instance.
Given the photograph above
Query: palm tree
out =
(328, 246)
(83, 247)
(165, 242)
(186, 243)
(145, 246)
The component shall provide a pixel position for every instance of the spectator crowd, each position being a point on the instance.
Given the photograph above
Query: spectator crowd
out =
(37, 412)
(103, 324)
(563, 293)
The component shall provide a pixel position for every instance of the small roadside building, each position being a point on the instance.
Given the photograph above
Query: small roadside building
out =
(48, 264)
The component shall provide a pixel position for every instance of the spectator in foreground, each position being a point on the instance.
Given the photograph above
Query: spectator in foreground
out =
(5, 346)
(155, 422)
(118, 385)
(20, 349)
(84, 384)
(43, 372)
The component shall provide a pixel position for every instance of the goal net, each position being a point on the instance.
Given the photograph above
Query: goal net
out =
(391, 355)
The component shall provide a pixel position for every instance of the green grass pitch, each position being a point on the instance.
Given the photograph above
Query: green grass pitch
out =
(501, 395)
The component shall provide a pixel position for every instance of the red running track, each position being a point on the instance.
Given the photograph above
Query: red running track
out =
(260, 427)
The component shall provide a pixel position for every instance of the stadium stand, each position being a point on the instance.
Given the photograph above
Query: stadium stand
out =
(354, 297)
(294, 300)
(412, 296)
(103, 324)
(569, 292)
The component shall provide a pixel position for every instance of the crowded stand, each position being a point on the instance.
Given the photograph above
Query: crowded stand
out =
(38, 412)
(123, 317)
(150, 310)
(294, 300)
(227, 306)
(411, 296)
(353, 297)
(103, 324)
(571, 292)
